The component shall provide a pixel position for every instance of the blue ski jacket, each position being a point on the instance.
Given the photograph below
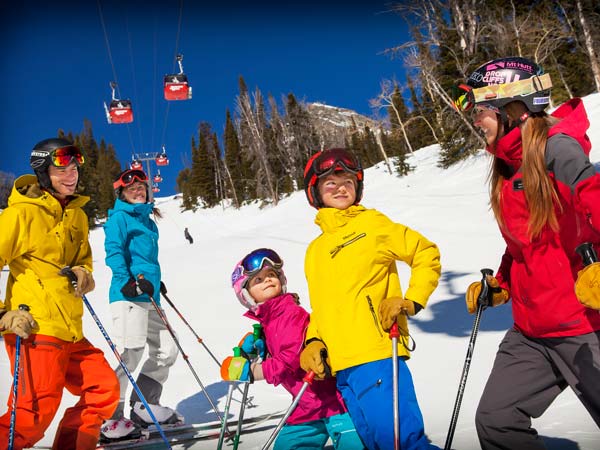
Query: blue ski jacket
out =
(131, 246)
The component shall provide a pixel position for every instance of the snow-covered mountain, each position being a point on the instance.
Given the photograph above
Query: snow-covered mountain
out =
(448, 206)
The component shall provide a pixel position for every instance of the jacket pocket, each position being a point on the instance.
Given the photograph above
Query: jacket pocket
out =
(374, 315)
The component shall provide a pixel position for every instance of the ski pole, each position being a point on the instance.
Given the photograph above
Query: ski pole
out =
(163, 317)
(66, 271)
(481, 301)
(238, 431)
(225, 415)
(13, 412)
(308, 379)
(163, 291)
(587, 253)
(394, 334)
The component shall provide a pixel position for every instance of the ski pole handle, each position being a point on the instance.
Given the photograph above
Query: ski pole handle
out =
(587, 253)
(484, 299)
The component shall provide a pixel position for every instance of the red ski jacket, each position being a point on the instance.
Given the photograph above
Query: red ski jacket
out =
(540, 273)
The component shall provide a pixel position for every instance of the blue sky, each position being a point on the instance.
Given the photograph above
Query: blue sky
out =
(56, 68)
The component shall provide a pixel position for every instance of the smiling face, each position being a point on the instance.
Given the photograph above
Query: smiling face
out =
(264, 285)
(487, 121)
(338, 190)
(63, 180)
(136, 192)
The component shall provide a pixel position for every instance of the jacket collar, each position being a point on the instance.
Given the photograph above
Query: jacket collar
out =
(271, 308)
(330, 219)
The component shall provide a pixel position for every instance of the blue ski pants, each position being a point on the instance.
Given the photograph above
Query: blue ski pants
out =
(368, 392)
(314, 434)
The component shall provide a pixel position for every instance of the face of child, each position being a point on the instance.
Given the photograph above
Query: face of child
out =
(64, 180)
(338, 190)
(135, 193)
(264, 285)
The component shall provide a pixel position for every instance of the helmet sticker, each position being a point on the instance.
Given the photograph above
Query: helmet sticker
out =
(237, 274)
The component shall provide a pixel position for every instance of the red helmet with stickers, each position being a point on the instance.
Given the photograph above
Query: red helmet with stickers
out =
(501, 81)
(326, 162)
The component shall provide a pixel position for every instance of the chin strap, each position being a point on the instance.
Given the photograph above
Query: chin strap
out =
(507, 127)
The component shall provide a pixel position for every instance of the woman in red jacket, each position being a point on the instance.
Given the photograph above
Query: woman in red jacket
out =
(545, 195)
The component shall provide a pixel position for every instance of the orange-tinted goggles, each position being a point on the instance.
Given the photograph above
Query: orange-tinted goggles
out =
(63, 156)
(129, 177)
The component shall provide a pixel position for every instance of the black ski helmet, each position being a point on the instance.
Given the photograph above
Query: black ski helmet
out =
(41, 158)
(328, 161)
(508, 71)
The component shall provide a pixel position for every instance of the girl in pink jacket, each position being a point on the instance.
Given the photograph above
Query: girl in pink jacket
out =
(260, 285)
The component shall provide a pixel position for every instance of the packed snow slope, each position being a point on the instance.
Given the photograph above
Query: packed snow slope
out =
(449, 207)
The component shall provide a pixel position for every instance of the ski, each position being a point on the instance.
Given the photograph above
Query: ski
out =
(178, 434)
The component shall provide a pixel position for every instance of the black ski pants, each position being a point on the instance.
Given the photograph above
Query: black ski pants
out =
(528, 374)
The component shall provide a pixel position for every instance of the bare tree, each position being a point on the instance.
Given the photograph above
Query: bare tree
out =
(385, 99)
(252, 137)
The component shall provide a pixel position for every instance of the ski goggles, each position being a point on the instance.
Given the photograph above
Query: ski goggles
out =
(128, 177)
(464, 97)
(255, 261)
(336, 159)
(63, 156)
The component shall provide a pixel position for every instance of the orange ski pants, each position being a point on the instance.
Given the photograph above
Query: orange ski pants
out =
(47, 366)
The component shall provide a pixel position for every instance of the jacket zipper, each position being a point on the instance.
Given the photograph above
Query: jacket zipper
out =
(374, 315)
(337, 248)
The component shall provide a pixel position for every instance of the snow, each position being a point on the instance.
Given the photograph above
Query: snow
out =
(448, 206)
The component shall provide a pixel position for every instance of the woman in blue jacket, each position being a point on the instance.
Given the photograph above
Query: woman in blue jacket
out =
(131, 246)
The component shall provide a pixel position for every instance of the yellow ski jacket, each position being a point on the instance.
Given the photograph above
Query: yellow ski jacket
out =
(350, 268)
(37, 239)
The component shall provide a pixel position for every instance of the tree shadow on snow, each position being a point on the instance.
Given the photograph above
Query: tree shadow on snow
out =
(197, 409)
(450, 315)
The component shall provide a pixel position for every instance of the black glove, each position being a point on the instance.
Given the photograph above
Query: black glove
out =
(133, 288)
(163, 288)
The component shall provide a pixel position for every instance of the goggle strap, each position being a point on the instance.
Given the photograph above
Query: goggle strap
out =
(514, 89)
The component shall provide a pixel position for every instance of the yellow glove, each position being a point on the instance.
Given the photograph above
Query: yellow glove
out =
(391, 307)
(314, 357)
(499, 296)
(587, 286)
(85, 281)
(19, 322)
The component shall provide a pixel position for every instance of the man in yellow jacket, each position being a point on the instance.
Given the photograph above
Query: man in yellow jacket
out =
(44, 229)
(355, 296)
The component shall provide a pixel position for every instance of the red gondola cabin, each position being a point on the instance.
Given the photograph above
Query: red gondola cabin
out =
(176, 87)
(157, 178)
(155, 188)
(162, 160)
(119, 112)
(136, 165)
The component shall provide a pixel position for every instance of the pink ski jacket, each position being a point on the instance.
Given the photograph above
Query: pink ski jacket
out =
(284, 323)
(540, 273)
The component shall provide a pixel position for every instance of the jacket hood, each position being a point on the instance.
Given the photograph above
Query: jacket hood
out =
(142, 209)
(26, 189)
(573, 122)
(330, 219)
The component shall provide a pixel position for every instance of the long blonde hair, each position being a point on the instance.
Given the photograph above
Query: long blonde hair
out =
(539, 191)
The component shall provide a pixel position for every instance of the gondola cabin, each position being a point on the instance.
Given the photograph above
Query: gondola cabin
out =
(120, 111)
(157, 178)
(162, 160)
(176, 87)
(155, 188)
(136, 165)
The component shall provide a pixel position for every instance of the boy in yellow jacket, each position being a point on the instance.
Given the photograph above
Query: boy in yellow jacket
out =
(355, 297)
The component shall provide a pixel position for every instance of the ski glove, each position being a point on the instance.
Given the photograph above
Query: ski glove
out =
(314, 357)
(133, 288)
(85, 281)
(252, 346)
(497, 295)
(587, 286)
(391, 307)
(19, 322)
(236, 368)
